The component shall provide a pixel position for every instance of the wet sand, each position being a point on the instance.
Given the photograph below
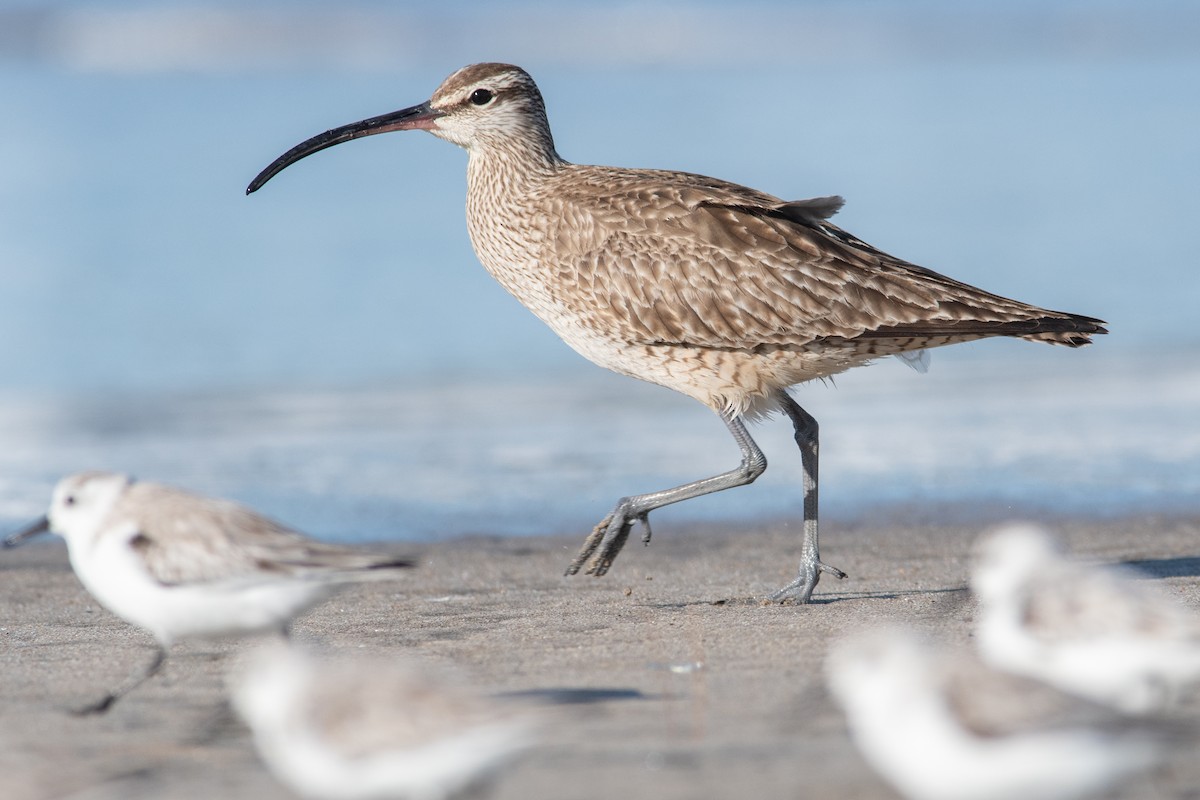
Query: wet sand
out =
(666, 679)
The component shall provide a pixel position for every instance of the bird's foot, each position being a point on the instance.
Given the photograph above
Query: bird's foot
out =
(606, 540)
(801, 589)
(589, 546)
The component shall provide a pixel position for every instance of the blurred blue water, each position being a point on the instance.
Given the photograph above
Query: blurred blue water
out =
(1051, 162)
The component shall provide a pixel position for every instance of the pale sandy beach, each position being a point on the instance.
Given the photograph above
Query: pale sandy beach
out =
(666, 679)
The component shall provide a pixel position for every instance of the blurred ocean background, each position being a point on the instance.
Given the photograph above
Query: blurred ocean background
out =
(330, 351)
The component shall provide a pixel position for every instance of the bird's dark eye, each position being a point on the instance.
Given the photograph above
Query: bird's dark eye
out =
(69, 500)
(481, 97)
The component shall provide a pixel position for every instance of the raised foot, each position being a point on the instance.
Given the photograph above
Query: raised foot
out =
(801, 589)
(606, 540)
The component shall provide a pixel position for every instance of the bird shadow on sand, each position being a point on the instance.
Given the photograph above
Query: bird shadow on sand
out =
(819, 599)
(572, 696)
(1180, 567)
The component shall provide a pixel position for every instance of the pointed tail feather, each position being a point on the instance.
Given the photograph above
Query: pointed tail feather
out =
(1072, 330)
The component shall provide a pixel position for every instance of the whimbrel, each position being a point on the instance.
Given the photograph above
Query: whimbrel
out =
(721, 292)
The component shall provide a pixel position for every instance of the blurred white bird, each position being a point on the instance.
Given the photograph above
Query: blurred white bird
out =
(1098, 632)
(182, 565)
(938, 727)
(369, 729)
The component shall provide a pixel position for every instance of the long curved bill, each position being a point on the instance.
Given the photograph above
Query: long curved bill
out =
(419, 117)
(41, 526)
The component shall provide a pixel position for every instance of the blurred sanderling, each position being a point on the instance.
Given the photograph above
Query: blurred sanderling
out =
(1095, 631)
(939, 726)
(367, 728)
(181, 565)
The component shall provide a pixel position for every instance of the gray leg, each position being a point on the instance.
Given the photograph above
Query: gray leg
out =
(811, 565)
(607, 539)
(132, 682)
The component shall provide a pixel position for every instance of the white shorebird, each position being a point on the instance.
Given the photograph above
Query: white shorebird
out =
(180, 565)
(1096, 631)
(721, 292)
(370, 729)
(940, 728)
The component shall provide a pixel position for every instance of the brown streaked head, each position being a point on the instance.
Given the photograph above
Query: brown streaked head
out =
(477, 102)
